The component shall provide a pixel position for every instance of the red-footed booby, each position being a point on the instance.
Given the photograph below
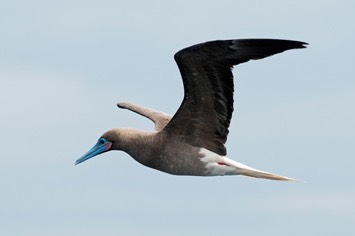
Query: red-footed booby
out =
(192, 142)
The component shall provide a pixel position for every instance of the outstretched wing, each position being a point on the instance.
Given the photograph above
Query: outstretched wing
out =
(159, 118)
(206, 69)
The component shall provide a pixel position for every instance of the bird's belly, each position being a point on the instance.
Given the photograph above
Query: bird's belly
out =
(200, 162)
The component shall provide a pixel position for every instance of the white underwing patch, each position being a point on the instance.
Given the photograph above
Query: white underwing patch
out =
(216, 164)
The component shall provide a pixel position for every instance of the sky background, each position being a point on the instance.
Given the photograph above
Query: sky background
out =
(65, 64)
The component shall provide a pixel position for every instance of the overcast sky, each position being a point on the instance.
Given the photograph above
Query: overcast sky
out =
(65, 64)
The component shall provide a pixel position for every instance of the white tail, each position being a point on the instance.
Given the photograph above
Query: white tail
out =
(248, 171)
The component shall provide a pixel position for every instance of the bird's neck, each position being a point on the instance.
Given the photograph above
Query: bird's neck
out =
(137, 143)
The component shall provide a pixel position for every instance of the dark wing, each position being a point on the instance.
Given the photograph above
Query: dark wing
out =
(206, 69)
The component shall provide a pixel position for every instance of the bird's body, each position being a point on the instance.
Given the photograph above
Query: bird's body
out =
(192, 141)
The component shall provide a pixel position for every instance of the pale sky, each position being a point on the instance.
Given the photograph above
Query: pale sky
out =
(65, 64)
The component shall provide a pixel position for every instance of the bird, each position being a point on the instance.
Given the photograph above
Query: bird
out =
(192, 142)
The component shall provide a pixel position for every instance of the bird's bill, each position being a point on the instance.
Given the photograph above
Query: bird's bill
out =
(94, 151)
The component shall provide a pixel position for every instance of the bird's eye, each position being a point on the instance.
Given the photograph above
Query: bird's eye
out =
(102, 141)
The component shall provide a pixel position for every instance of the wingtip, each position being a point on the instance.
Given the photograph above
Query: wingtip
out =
(304, 45)
(121, 105)
(293, 44)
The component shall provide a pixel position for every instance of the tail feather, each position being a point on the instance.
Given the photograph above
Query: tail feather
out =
(264, 175)
(251, 172)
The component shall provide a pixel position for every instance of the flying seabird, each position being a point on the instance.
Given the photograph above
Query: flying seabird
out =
(192, 142)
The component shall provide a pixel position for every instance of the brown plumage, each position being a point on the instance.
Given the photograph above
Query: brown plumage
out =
(206, 70)
(192, 142)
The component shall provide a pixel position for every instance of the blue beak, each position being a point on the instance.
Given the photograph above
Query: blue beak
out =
(96, 150)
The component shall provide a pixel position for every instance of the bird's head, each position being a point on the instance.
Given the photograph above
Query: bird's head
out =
(107, 142)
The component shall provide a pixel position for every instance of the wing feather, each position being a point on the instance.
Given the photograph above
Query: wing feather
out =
(205, 113)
